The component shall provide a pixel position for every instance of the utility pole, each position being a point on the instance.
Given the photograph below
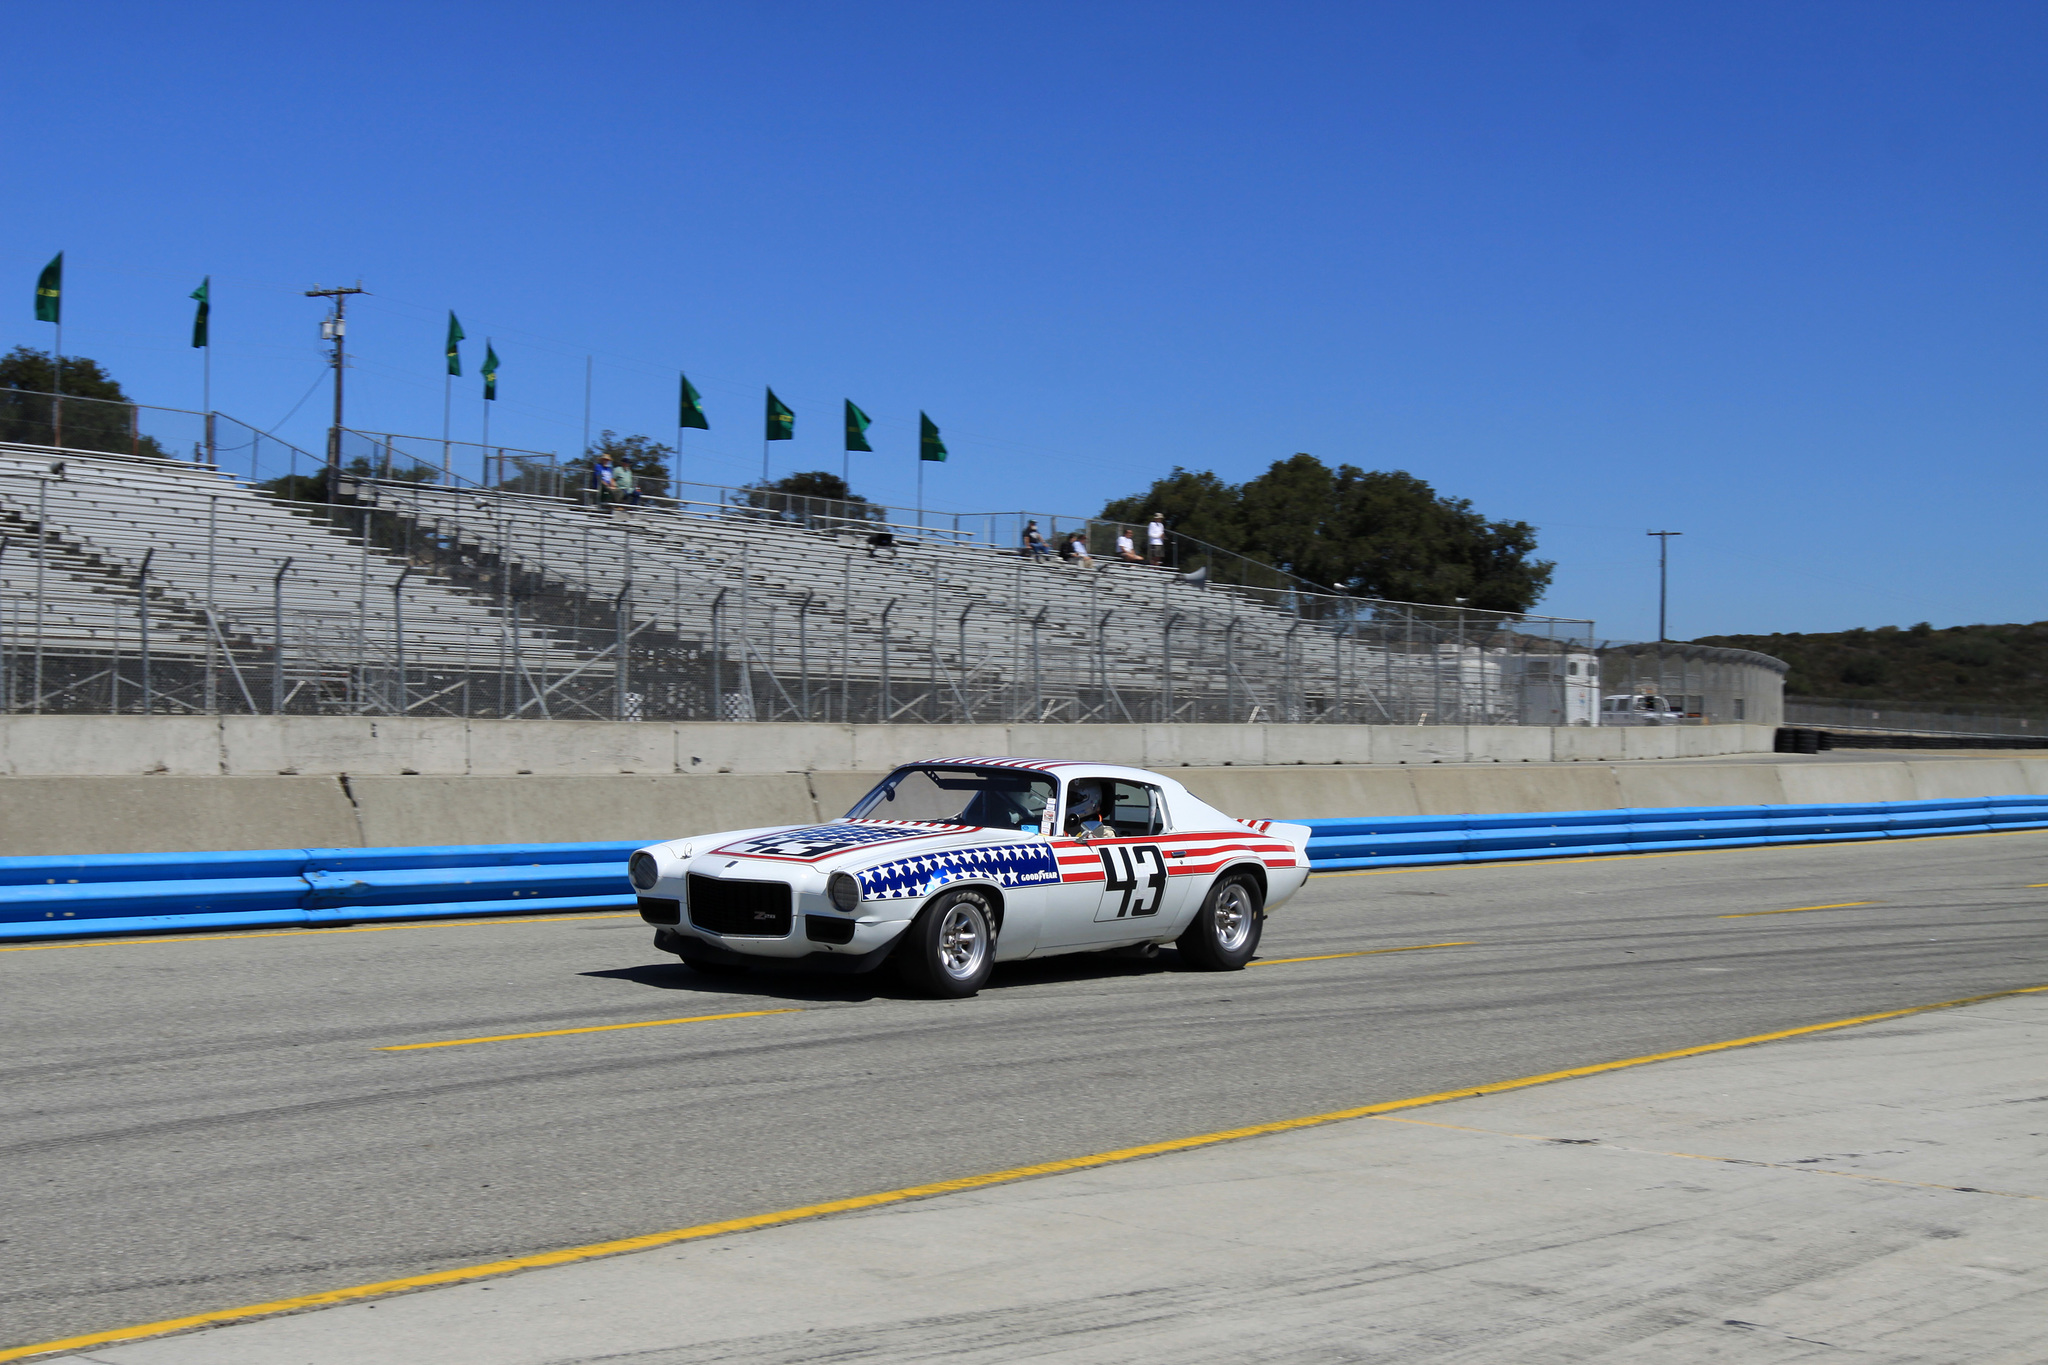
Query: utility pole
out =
(1663, 564)
(335, 329)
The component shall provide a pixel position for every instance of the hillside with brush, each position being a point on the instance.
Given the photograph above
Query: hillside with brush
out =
(1968, 666)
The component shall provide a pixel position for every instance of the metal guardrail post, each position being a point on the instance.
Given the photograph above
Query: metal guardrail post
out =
(717, 654)
(966, 706)
(622, 616)
(277, 637)
(42, 554)
(212, 697)
(1230, 667)
(884, 703)
(803, 651)
(1166, 667)
(1037, 670)
(142, 603)
(398, 638)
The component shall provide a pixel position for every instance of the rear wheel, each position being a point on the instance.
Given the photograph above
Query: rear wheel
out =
(949, 949)
(1225, 932)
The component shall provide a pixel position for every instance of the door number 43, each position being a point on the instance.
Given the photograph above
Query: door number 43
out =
(1139, 872)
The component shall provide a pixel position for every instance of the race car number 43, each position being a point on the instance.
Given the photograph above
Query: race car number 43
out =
(1139, 871)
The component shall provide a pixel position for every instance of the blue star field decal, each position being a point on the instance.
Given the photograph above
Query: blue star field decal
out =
(1025, 864)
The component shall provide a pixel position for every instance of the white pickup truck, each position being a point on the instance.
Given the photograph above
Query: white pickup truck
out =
(1639, 708)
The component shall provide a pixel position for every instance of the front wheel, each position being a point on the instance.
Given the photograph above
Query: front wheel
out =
(949, 949)
(1225, 932)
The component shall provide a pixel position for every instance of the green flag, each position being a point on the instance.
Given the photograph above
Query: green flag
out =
(929, 446)
(781, 421)
(857, 428)
(455, 340)
(50, 291)
(691, 414)
(490, 371)
(199, 319)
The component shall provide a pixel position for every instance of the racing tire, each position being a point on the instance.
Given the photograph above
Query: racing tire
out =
(949, 949)
(1225, 931)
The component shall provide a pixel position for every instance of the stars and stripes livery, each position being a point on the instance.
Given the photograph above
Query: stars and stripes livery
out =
(1018, 864)
(854, 885)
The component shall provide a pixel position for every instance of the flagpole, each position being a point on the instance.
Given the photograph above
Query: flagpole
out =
(57, 408)
(586, 404)
(206, 401)
(487, 424)
(920, 490)
(447, 416)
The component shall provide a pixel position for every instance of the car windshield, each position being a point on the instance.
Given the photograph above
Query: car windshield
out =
(1002, 798)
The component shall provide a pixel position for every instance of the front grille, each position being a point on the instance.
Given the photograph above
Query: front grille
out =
(656, 910)
(760, 909)
(828, 929)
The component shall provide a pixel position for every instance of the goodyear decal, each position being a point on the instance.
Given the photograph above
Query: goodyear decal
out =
(1027, 864)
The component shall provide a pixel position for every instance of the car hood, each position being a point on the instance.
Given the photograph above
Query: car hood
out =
(893, 859)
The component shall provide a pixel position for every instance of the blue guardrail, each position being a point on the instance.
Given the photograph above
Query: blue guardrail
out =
(144, 892)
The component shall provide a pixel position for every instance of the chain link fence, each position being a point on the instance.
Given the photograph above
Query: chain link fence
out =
(1921, 719)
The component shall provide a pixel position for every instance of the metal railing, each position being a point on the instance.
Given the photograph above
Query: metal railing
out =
(419, 599)
(1914, 718)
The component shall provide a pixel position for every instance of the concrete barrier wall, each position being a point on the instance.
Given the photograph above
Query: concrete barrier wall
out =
(272, 746)
(54, 815)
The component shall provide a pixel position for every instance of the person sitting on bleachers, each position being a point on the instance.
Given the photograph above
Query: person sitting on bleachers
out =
(604, 482)
(1077, 550)
(1126, 550)
(1034, 542)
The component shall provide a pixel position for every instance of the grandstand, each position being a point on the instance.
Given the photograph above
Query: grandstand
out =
(409, 595)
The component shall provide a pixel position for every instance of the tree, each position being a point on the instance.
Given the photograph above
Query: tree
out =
(815, 492)
(646, 457)
(1377, 534)
(313, 487)
(106, 422)
(1194, 504)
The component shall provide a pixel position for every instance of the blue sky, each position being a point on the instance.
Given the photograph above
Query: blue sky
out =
(1769, 274)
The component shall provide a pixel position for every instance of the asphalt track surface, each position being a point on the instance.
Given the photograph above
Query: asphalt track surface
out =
(202, 1122)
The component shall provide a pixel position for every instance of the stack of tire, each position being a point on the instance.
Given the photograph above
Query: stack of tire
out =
(1791, 740)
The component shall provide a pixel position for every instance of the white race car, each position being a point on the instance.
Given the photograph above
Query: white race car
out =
(951, 866)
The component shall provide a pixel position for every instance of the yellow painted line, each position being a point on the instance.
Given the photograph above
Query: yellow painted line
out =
(1796, 910)
(649, 1241)
(1363, 952)
(1726, 1160)
(594, 1028)
(1674, 853)
(231, 935)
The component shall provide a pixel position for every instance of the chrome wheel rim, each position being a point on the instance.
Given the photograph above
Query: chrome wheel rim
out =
(963, 941)
(1234, 917)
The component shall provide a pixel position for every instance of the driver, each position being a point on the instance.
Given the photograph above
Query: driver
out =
(1084, 809)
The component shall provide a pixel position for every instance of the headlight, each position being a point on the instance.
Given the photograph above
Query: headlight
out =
(643, 871)
(844, 891)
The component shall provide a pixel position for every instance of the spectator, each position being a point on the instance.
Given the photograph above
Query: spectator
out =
(1034, 542)
(1125, 550)
(1077, 550)
(604, 484)
(1155, 540)
(625, 485)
